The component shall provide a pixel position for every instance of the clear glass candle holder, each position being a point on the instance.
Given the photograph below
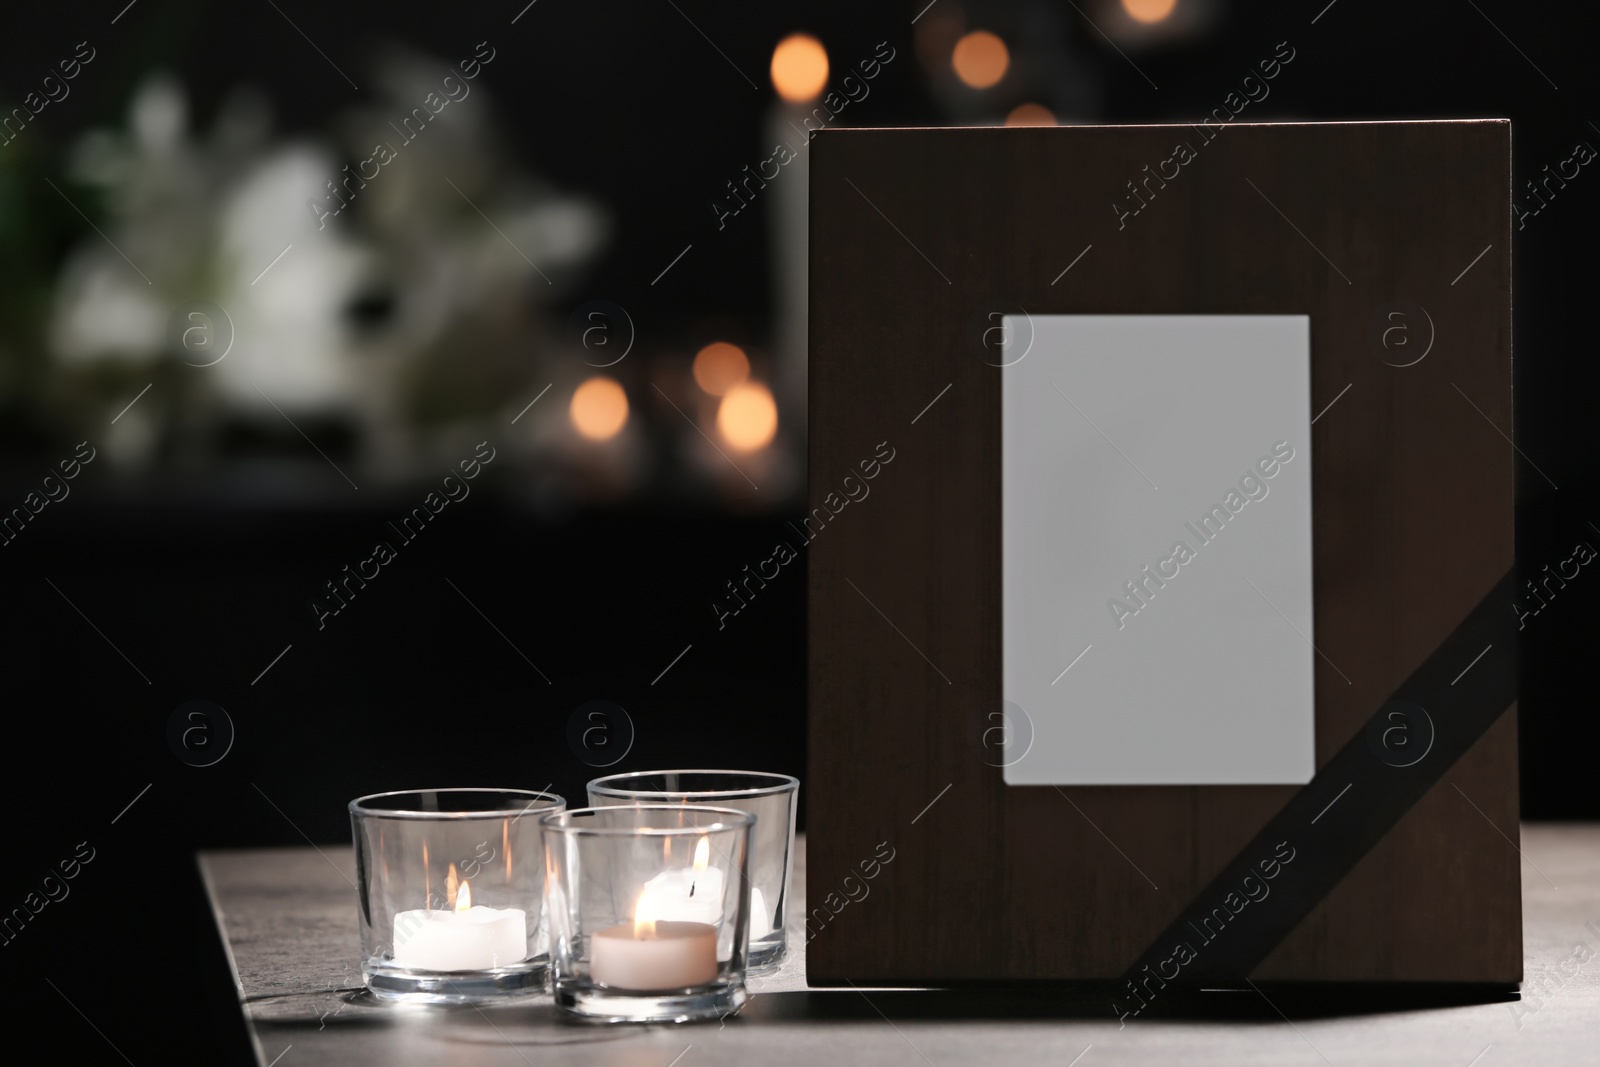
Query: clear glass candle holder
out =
(450, 886)
(770, 798)
(649, 911)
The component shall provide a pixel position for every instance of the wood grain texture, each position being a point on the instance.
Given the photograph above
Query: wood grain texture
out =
(914, 234)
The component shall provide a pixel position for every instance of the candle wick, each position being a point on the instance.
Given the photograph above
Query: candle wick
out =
(691, 888)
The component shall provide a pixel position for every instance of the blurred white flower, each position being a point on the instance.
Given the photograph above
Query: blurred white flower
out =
(291, 340)
(102, 315)
(417, 305)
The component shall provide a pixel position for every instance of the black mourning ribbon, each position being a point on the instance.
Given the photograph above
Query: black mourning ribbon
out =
(1418, 734)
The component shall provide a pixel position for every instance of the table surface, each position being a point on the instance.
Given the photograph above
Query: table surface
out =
(288, 919)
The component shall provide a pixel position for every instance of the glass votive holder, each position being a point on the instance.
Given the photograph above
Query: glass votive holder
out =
(649, 911)
(770, 798)
(450, 885)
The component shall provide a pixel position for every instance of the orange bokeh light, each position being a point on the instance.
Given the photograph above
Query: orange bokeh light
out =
(599, 408)
(980, 59)
(720, 366)
(748, 417)
(1148, 10)
(799, 68)
(1030, 115)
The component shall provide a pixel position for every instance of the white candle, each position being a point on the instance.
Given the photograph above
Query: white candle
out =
(652, 954)
(655, 957)
(760, 921)
(685, 894)
(465, 939)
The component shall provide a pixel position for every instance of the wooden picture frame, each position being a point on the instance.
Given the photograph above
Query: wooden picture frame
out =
(916, 237)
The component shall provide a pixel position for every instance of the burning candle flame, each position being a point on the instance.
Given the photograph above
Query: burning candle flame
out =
(702, 855)
(464, 897)
(644, 916)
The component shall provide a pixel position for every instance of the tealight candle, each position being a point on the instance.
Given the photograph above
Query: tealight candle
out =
(769, 797)
(760, 918)
(652, 954)
(464, 939)
(638, 935)
(422, 938)
(692, 894)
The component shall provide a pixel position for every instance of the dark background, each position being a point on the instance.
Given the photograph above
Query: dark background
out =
(410, 686)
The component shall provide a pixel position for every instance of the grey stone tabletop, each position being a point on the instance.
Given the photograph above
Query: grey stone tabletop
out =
(288, 919)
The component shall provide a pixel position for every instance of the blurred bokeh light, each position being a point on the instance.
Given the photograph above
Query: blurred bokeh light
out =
(1149, 10)
(748, 417)
(799, 68)
(980, 59)
(1030, 115)
(720, 366)
(599, 408)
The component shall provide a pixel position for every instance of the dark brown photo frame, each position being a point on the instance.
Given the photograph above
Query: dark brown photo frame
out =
(916, 237)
